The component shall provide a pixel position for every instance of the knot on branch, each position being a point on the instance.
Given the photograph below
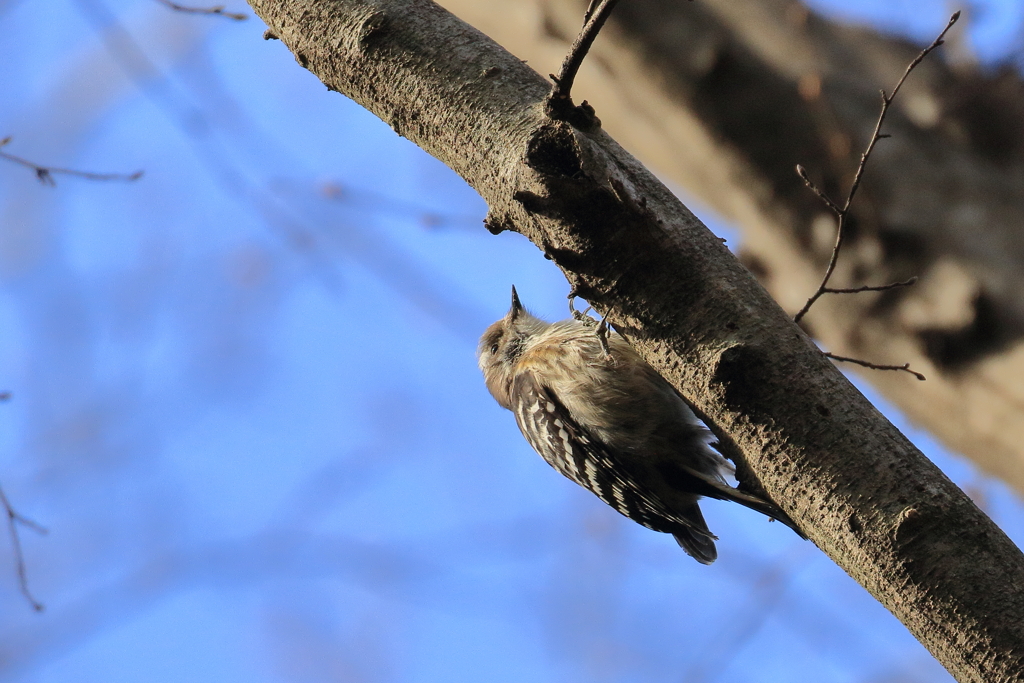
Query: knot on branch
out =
(909, 523)
(561, 108)
(497, 223)
(553, 150)
(741, 374)
(372, 26)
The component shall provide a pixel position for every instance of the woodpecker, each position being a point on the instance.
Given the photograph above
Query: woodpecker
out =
(602, 416)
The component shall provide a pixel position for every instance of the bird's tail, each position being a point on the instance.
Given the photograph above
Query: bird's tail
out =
(726, 492)
(691, 480)
(698, 542)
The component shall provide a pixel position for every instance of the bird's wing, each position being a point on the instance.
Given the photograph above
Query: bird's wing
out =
(569, 448)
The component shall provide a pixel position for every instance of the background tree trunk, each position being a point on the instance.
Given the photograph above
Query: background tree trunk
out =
(796, 426)
(725, 97)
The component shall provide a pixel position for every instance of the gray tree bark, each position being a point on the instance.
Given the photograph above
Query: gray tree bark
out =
(798, 429)
(725, 97)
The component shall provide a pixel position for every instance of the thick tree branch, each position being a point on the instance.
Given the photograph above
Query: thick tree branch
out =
(797, 427)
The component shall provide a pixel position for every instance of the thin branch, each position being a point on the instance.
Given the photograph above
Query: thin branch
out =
(13, 520)
(219, 10)
(381, 203)
(45, 173)
(597, 13)
(877, 135)
(874, 366)
(802, 172)
(870, 288)
(559, 103)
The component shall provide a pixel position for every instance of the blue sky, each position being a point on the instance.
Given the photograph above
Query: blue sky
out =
(245, 402)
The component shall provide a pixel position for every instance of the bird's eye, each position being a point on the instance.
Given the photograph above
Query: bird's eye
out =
(494, 349)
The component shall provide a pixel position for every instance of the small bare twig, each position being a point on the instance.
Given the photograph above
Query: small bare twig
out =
(874, 366)
(45, 173)
(802, 172)
(597, 13)
(13, 520)
(559, 104)
(844, 211)
(219, 10)
(870, 288)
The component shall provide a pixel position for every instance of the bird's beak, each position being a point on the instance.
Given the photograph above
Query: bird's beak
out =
(517, 306)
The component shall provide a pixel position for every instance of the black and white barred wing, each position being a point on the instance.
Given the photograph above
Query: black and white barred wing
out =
(570, 449)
